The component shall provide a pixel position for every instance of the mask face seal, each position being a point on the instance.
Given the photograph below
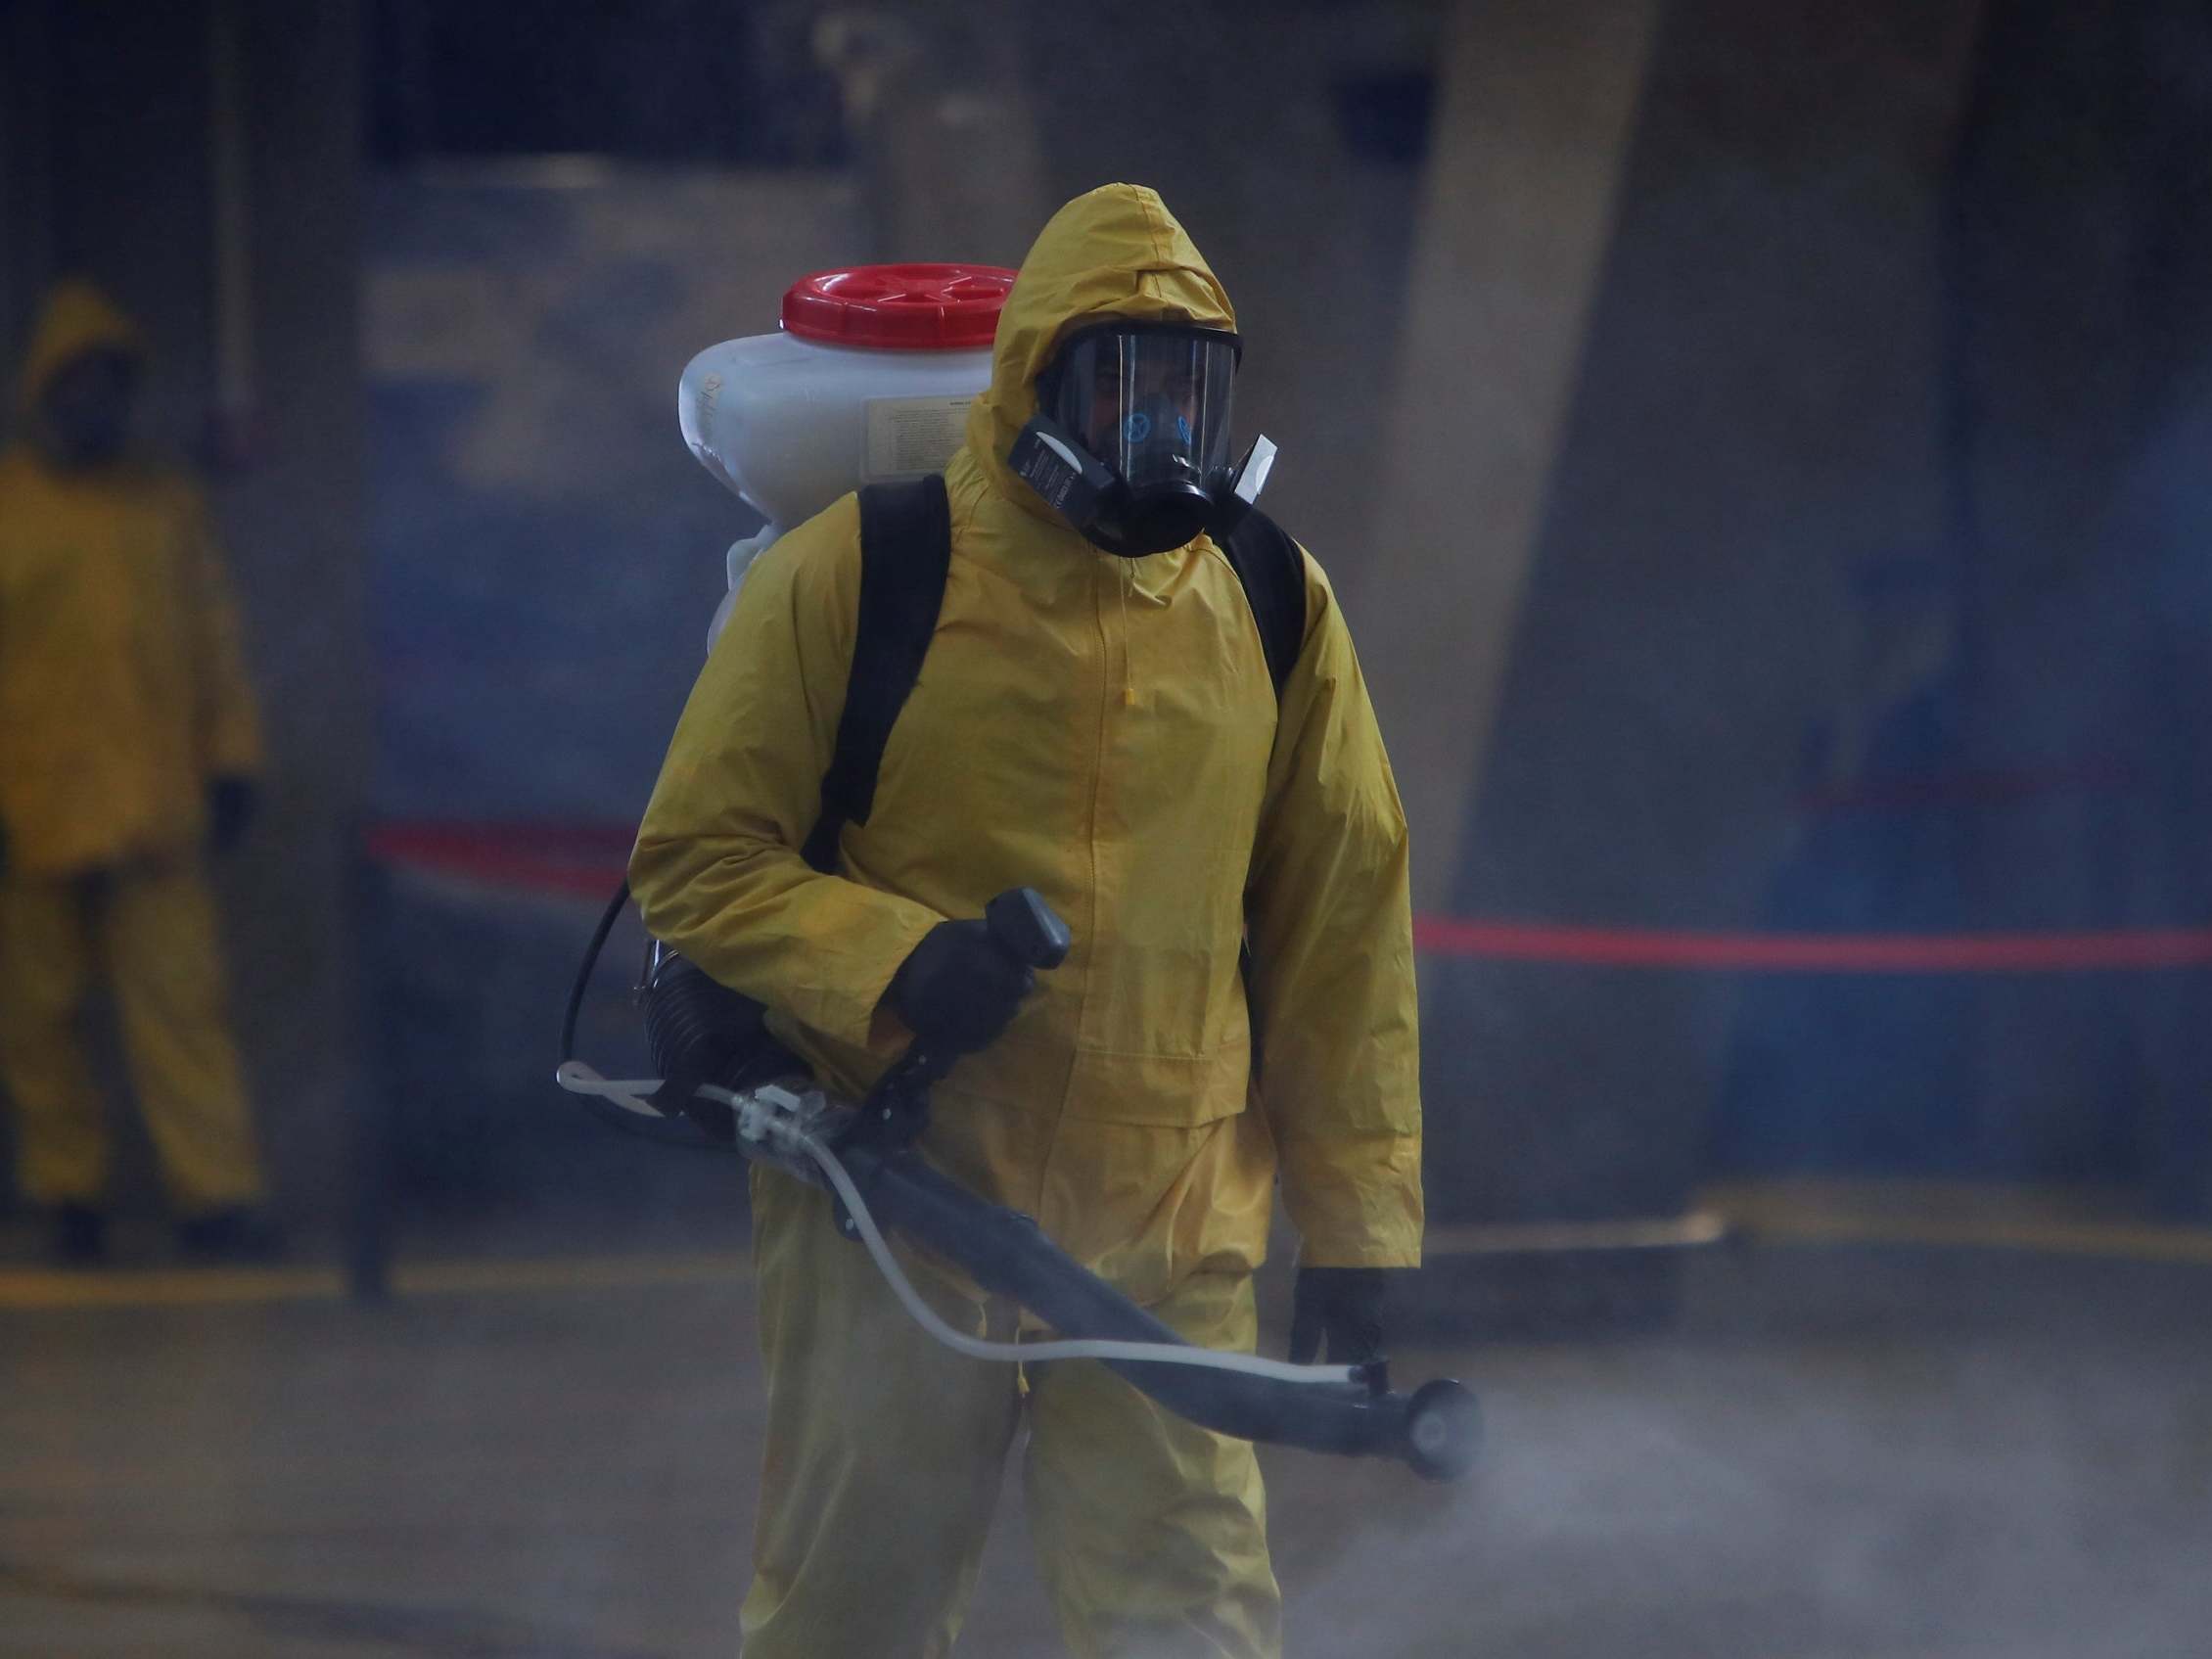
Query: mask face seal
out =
(1131, 440)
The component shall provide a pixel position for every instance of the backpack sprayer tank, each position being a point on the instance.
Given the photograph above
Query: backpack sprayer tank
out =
(869, 380)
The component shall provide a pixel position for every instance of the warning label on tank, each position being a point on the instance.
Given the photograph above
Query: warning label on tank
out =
(909, 436)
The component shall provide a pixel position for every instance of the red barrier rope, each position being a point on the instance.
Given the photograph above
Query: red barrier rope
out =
(586, 861)
(1817, 953)
(583, 861)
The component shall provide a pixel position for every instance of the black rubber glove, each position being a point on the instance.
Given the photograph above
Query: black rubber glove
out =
(231, 804)
(958, 991)
(1345, 1305)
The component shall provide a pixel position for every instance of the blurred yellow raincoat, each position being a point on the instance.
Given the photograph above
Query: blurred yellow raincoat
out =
(122, 695)
(1103, 730)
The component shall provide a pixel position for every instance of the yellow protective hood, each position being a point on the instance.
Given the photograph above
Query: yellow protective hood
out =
(75, 319)
(1114, 251)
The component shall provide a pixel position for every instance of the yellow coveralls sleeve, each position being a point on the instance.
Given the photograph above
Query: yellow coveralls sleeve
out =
(228, 728)
(717, 870)
(1332, 944)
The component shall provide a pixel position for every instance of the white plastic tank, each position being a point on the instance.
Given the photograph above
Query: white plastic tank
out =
(869, 378)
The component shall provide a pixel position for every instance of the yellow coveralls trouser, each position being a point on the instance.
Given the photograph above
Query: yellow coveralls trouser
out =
(150, 929)
(883, 1455)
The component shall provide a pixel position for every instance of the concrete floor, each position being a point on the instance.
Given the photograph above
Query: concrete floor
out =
(1832, 1454)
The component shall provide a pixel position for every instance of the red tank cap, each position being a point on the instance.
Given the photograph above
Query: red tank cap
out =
(899, 307)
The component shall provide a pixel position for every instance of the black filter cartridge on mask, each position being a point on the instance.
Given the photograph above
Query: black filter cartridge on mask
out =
(1052, 461)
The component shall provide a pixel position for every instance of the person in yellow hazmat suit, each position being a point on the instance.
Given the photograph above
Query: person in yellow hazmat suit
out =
(1094, 718)
(128, 745)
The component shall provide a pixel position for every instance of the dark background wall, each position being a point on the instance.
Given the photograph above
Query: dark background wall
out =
(1867, 598)
(2080, 372)
(1759, 449)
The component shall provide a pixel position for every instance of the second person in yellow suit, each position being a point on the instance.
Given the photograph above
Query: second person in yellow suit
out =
(128, 742)
(1105, 730)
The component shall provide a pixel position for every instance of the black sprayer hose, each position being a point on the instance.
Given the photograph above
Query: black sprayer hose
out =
(1436, 1429)
(591, 962)
(661, 1133)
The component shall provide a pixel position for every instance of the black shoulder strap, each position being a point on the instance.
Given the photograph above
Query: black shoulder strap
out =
(905, 550)
(1273, 569)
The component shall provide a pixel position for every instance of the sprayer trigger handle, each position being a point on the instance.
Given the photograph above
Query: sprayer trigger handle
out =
(1023, 926)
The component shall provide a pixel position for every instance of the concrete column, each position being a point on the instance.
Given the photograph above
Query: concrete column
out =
(1308, 234)
(1535, 114)
(945, 131)
(296, 515)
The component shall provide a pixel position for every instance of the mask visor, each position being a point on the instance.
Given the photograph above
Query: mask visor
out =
(1150, 400)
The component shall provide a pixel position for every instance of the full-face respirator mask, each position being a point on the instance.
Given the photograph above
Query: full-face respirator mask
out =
(1131, 439)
